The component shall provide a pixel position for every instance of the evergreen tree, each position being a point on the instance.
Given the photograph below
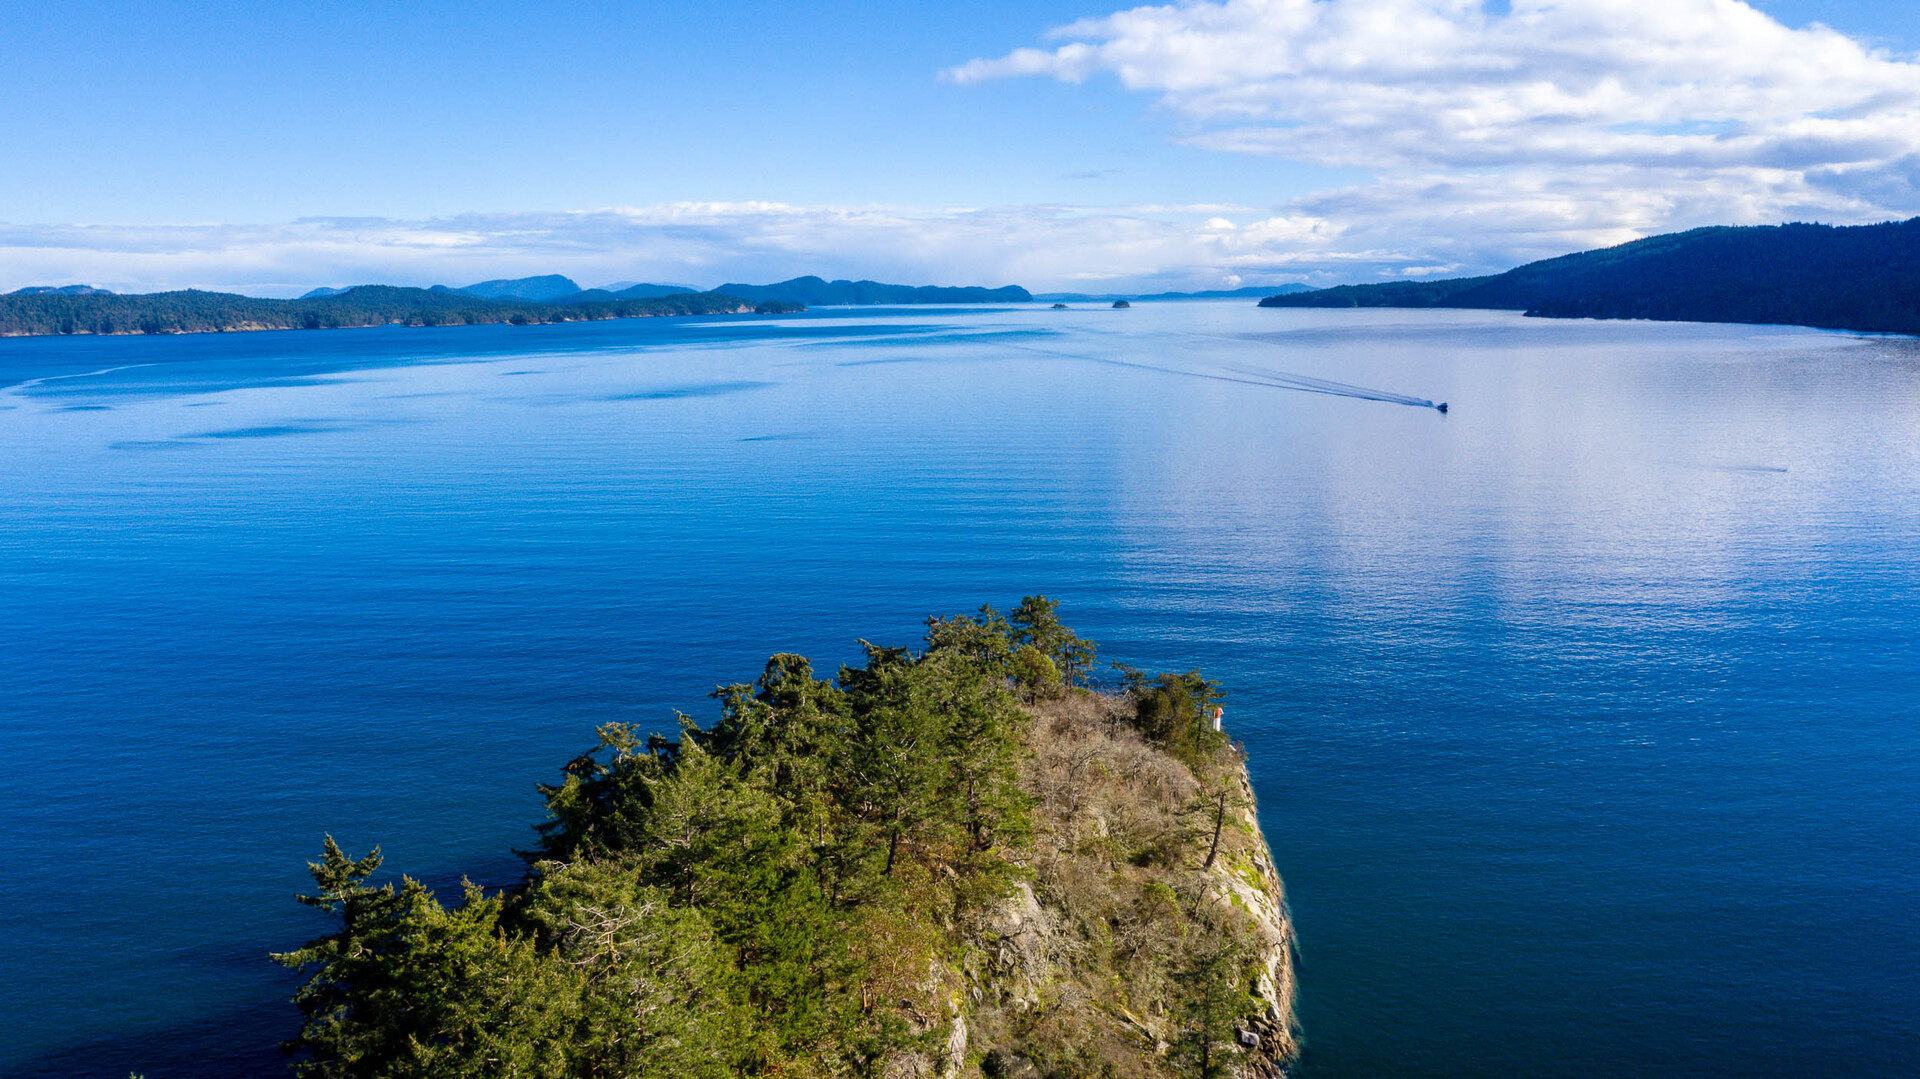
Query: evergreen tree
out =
(1038, 677)
(980, 746)
(1175, 711)
(986, 641)
(1213, 983)
(786, 733)
(1036, 622)
(597, 810)
(407, 987)
(656, 1001)
(893, 759)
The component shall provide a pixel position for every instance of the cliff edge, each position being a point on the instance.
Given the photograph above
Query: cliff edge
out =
(1099, 963)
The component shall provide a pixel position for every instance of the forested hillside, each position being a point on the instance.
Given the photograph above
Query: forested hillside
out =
(1863, 277)
(193, 311)
(947, 861)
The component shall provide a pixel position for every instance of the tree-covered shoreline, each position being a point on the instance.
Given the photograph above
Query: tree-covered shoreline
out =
(195, 311)
(1858, 277)
(953, 860)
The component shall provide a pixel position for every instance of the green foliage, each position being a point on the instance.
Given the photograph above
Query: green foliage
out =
(764, 896)
(655, 975)
(1037, 675)
(408, 987)
(1175, 712)
(599, 808)
(1036, 623)
(892, 763)
(803, 888)
(195, 311)
(986, 641)
(1213, 980)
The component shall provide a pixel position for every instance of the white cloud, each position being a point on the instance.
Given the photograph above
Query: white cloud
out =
(1560, 124)
(1042, 247)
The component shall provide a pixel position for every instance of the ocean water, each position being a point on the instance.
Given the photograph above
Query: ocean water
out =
(1585, 718)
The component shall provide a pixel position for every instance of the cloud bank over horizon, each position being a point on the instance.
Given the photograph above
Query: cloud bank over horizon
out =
(1043, 247)
(1480, 136)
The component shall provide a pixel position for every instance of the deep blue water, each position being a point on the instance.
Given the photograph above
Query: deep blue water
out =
(1583, 718)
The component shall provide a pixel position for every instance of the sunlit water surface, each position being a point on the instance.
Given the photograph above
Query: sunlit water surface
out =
(1582, 717)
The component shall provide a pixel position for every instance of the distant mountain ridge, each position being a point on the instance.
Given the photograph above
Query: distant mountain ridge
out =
(818, 292)
(808, 291)
(60, 290)
(544, 289)
(633, 292)
(1858, 277)
(641, 290)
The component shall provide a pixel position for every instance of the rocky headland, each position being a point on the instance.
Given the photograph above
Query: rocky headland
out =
(954, 861)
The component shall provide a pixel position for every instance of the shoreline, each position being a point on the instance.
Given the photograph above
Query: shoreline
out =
(1548, 316)
(364, 307)
(396, 324)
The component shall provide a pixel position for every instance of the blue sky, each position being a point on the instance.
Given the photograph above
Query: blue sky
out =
(272, 147)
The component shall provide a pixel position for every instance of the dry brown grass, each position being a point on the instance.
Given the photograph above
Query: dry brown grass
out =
(1076, 971)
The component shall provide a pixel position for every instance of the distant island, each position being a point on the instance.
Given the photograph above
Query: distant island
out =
(953, 861)
(1860, 277)
(817, 292)
(551, 298)
(194, 311)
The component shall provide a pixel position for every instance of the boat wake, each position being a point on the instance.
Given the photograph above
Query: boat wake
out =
(1255, 376)
(28, 386)
(1286, 380)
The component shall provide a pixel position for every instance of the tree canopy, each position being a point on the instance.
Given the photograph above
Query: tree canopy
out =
(195, 311)
(1857, 277)
(791, 890)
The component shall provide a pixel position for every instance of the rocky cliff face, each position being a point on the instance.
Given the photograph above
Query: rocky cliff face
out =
(1150, 936)
(1271, 1037)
